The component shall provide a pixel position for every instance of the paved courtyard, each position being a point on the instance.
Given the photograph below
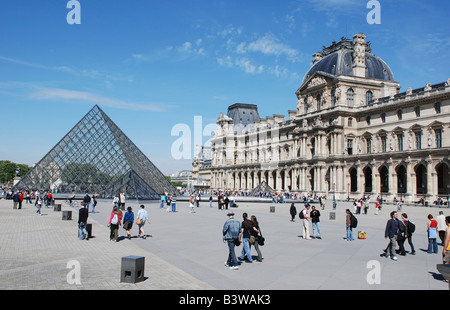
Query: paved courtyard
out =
(184, 251)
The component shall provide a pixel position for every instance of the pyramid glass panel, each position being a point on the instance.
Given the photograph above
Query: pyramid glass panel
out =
(97, 157)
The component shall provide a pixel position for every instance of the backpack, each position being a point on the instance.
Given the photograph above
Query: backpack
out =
(301, 215)
(115, 219)
(411, 227)
(353, 221)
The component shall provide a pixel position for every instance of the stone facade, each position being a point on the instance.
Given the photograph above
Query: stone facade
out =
(352, 134)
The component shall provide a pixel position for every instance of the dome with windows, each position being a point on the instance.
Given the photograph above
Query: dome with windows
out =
(341, 59)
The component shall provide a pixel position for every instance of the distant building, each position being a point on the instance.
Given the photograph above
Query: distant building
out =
(352, 135)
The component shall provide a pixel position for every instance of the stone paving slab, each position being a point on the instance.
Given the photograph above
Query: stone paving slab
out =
(184, 251)
(36, 250)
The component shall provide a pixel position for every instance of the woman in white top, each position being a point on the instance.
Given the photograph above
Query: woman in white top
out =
(141, 217)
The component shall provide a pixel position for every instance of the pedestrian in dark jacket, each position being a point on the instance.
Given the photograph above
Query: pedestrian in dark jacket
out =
(391, 232)
(293, 212)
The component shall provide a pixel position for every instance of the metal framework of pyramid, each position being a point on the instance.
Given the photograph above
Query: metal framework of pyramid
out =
(262, 188)
(97, 157)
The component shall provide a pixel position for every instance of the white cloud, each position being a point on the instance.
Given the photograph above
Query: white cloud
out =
(87, 97)
(269, 44)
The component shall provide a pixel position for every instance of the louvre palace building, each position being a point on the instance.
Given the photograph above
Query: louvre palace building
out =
(352, 134)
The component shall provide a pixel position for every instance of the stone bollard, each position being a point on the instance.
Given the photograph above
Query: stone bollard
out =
(66, 215)
(132, 269)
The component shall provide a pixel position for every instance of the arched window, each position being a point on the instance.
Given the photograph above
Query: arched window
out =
(369, 97)
(350, 95)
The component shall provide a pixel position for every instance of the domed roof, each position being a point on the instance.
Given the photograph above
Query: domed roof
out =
(338, 60)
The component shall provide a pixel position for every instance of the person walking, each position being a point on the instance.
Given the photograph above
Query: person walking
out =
(122, 199)
(38, 205)
(113, 224)
(410, 229)
(401, 237)
(432, 234)
(446, 249)
(306, 222)
(315, 214)
(391, 232)
(141, 217)
(210, 200)
(246, 228)
(441, 226)
(348, 225)
(83, 215)
(256, 233)
(128, 220)
(231, 230)
(293, 212)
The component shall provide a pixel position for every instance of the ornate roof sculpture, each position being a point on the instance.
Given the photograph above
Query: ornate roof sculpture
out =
(96, 156)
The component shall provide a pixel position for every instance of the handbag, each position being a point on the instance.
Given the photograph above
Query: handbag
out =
(138, 221)
(252, 239)
(261, 239)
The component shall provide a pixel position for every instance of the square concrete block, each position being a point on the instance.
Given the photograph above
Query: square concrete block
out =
(272, 209)
(132, 269)
(57, 207)
(332, 215)
(66, 215)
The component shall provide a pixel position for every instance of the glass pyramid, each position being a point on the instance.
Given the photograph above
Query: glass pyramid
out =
(97, 157)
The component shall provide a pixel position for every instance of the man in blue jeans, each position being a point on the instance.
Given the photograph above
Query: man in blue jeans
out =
(83, 215)
(231, 230)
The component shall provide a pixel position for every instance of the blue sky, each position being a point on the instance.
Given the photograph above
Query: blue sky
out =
(151, 65)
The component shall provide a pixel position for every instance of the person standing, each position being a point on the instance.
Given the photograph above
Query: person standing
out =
(128, 220)
(293, 212)
(255, 232)
(83, 215)
(306, 222)
(87, 201)
(114, 223)
(348, 225)
(210, 200)
(315, 214)
(410, 229)
(142, 216)
(163, 200)
(391, 232)
(173, 202)
(230, 231)
(441, 226)
(16, 199)
(432, 234)
(122, 201)
(246, 228)
(94, 203)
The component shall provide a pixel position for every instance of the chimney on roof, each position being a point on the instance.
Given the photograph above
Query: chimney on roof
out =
(359, 55)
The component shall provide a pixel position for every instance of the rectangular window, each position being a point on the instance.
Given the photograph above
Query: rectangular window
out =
(369, 145)
(350, 146)
(437, 107)
(418, 111)
(383, 144)
(400, 141)
(418, 140)
(438, 133)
